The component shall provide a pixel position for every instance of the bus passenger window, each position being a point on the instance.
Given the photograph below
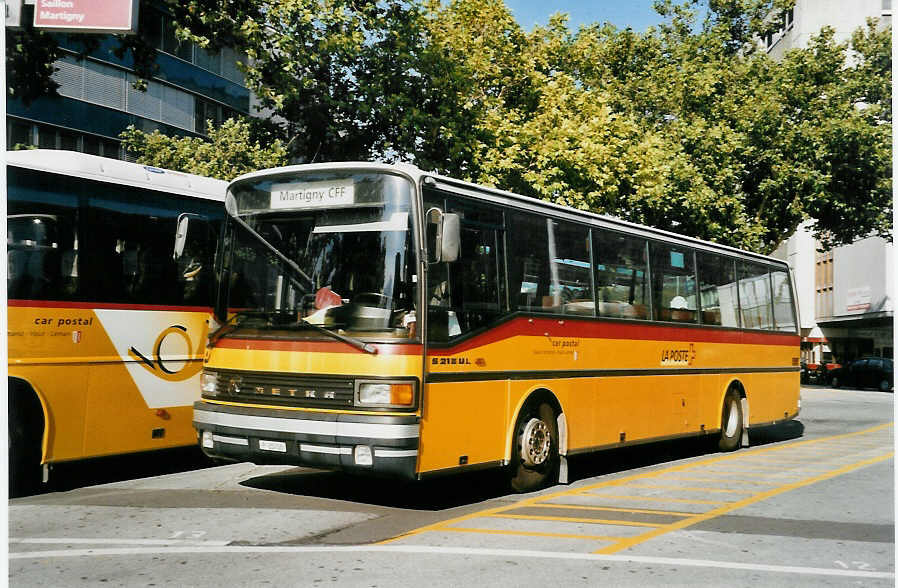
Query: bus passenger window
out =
(673, 284)
(39, 248)
(717, 288)
(571, 285)
(529, 281)
(783, 306)
(620, 269)
(755, 304)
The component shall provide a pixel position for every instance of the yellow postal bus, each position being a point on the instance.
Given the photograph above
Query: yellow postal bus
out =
(381, 319)
(106, 330)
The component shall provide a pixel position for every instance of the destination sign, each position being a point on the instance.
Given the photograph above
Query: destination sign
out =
(312, 194)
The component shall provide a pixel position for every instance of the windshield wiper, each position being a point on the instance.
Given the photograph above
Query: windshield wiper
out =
(357, 343)
(232, 323)
(309, 283)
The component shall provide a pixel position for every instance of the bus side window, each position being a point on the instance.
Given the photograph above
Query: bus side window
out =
(755, 300)
(442, 321)
(194, 266)
(130, 247)
(42, 232)
(717, 288)
(569, 251)
(673, 283)
(468, 293)
(783, 305)
(529, 281)
(620, 268)
(477, 278)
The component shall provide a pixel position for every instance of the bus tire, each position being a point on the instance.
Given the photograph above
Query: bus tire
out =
(26, 428)
(731, 422)
(885, 385)
(534, 459)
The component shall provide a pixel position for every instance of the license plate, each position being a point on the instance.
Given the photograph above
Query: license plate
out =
(279, 446)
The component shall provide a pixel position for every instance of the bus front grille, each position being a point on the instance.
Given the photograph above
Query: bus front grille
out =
(285, 389)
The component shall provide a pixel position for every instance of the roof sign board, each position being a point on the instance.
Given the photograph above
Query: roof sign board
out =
(86, 16)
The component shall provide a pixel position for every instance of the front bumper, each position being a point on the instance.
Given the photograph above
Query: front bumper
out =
(314, 439)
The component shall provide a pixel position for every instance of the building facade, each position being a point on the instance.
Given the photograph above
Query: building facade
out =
(97, 100)
(846, 295)
(806, 19)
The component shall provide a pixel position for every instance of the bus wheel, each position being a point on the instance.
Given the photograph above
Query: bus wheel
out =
(25, 430)
(885, 385)
(534, 460)
(731, 422)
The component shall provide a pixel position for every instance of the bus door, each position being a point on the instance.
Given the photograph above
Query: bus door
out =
(464, 416)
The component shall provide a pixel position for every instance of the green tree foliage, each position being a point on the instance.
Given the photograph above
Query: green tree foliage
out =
(342, 74)
(29, 64)
(228, 152)
(687, 126)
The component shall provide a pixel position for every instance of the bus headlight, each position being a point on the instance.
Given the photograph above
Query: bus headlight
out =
(386, 394)
(209, 382)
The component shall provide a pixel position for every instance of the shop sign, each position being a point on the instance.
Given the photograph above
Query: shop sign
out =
(858, 299)
(86, 16)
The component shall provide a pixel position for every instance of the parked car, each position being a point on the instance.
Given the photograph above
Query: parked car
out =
(866, 372)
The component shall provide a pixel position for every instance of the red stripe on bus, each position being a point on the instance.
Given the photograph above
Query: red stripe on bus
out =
(314, 346)
(103, 306)
(540, 327)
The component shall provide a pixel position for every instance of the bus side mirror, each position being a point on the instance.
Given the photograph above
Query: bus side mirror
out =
(442, 235)
(451, 237)
(181, 233)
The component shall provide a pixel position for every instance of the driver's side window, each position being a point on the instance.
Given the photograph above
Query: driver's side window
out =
(469, 293)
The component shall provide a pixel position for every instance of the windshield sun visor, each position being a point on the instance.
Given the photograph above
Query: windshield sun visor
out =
(398, 221)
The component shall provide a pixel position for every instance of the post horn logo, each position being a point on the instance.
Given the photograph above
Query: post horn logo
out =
(157, 364)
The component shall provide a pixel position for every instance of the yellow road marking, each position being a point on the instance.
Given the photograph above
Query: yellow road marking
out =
(816, 454)
(811, 460)
(718, 479)
(530, 534)
(613, 509)
(574, 520)
(536, 500)
(690, 488)
(657, 499)
(753, 467)
(768, 460)
(628, 543)
(749, 467)
(744, 471)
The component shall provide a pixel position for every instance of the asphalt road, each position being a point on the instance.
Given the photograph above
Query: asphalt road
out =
(810, 503)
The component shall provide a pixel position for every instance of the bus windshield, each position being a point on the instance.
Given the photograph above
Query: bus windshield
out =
(343, 257)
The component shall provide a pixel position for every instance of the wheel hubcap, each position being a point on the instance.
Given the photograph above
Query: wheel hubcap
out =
(536, 443)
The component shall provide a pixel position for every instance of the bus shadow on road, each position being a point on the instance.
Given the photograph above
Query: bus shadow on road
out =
(776, 433)
(68, 476)
(464, 489)
(431, 494)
